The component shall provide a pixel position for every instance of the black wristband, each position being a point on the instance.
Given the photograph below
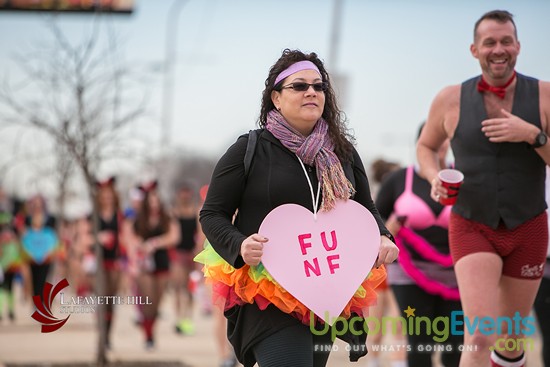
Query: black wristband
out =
(389, 235)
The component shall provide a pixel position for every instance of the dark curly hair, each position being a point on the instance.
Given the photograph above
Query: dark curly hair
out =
(335, 118)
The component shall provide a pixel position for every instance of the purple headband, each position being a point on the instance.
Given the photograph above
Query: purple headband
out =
(296, 67)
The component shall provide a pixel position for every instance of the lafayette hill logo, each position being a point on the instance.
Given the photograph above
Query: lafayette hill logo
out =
(43, 313)
(74, 304)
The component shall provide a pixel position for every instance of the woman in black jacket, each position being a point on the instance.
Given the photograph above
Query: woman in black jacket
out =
(303, 131)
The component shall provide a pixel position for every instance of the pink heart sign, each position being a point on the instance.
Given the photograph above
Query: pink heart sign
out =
(320, 262)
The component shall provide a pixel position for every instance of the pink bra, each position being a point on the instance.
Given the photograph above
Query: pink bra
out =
(418, 213)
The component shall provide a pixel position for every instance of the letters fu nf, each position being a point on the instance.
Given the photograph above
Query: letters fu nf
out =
(331, 260)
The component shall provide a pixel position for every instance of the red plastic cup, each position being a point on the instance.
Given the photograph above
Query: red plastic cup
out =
(451, 179)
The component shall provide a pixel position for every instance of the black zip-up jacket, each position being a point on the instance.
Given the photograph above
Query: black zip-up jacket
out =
(275, 178)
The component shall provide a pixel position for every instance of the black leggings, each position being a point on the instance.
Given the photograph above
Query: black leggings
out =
(39, 274)
(542, 309)
(431, 307)
(294, 346)
(8, 281)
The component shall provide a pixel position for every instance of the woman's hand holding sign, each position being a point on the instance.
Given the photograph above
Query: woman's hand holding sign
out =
(252, 249)
(388, 252)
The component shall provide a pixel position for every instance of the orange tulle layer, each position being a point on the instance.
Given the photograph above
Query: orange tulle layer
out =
(253, 284)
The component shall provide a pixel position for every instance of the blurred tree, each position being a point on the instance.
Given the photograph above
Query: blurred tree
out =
(83, 99)
(184, 168)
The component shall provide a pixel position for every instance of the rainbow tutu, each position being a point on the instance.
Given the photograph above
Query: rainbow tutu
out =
(253, 284)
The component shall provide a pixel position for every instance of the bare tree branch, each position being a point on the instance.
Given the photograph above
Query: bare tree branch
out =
(78, 96)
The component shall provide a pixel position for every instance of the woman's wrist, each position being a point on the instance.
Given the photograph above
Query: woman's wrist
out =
(389, 235)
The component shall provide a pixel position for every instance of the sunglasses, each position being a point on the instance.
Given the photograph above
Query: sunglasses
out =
(302, 86)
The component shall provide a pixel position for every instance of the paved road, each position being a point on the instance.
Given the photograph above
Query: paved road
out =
(22, 341)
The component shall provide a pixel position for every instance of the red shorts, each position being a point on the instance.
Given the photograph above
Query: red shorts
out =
(522, 249)
(111, 265)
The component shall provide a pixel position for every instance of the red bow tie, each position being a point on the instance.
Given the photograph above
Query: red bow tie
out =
(483, 86)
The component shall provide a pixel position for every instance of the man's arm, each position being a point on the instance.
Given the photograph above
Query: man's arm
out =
(544, 95)
(435, 132)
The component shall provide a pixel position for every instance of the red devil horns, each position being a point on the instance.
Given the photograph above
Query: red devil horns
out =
(148, 187)
(106, 183)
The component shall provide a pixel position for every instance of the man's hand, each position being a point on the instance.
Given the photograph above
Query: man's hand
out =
(509, 128)
(437, 191)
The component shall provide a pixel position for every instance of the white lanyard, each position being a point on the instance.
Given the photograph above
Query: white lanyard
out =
(314, 198)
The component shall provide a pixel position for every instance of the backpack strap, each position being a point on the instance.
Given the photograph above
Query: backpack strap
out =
(250, 148)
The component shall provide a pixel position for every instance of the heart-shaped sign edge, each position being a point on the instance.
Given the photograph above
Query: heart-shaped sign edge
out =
(355, 218)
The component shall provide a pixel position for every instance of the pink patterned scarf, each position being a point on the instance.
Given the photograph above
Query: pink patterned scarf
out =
(318, 149)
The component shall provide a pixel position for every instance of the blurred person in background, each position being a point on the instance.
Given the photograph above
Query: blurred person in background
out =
(10, 255)
(425, 278)
(542, 302)
(110, 239)
(40, 242)
(149, 237)
(386, 304)
(186, 212)
(380, 168)
(10, 264)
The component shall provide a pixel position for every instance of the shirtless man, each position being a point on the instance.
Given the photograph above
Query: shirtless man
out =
(498, 125)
